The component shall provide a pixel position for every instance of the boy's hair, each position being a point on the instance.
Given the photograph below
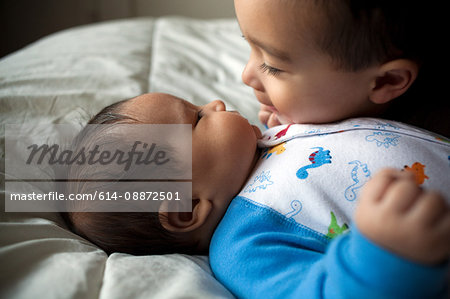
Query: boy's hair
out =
(357, 34)
(137, 233)
(361, 33)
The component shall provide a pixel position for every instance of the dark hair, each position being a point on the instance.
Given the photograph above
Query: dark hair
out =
(137, 233)
(362, 33)
(357, 34)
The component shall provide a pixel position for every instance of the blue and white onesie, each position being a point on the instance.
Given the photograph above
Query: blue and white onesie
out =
(275, 240)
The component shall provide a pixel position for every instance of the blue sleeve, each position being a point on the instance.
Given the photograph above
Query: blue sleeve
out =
(257, 253)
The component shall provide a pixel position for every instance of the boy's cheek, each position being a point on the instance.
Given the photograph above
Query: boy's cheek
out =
(283, 119)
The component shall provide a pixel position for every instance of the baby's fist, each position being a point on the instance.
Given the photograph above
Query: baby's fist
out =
(268, 117)
(400, 216)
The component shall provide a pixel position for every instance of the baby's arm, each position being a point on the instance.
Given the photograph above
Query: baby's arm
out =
(405, 219)
(270, 118)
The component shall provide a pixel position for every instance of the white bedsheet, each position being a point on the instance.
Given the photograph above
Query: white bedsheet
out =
(68, 77)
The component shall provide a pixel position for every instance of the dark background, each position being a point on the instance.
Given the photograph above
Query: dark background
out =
(25, 21)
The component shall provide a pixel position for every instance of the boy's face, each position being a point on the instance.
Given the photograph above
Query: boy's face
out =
(287, 71)
(223, 143)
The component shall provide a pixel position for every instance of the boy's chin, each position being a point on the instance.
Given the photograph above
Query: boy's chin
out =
(283, 120)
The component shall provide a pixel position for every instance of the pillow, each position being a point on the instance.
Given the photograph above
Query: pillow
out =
(68, 77)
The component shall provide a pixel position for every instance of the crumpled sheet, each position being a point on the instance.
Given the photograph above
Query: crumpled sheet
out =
(67, 78)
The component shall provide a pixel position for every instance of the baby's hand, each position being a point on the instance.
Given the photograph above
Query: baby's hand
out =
(268, 117)
(271, 118)
(401, 217)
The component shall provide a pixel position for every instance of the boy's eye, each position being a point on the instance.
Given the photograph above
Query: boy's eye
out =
(270, 70)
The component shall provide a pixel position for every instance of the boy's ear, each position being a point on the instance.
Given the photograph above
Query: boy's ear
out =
(392, 80)
(185, 221)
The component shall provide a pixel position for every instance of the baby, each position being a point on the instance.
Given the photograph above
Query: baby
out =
(217, 177)
(263, 239)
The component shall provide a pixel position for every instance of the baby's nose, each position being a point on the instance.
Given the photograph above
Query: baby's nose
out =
(217, 105)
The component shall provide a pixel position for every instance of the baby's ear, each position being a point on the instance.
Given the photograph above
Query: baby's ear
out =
(393, 78)
(185, 221)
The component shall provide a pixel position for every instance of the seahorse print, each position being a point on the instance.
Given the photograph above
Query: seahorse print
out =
(296, 206)
(385, 126)
(360, 175)
(334, 229)
(383, 139)
(418, 169)
(261, 182)
(278, 150)
(313, 131)
(317, 158)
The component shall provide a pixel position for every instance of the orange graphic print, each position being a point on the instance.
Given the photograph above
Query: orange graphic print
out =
(418, 169)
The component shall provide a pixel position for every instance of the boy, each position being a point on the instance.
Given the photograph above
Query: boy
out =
(358, 55)
(315, 62)
(274, 240)
(224, 152)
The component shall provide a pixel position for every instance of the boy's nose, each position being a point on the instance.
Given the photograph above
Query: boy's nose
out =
(250, 78)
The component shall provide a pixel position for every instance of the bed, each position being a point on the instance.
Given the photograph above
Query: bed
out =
(66, 78)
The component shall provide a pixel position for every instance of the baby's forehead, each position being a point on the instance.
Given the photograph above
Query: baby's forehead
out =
(158, 108)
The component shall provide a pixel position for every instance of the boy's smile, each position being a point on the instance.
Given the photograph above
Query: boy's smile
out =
(288, 72)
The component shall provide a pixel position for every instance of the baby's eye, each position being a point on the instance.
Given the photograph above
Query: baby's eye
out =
(199, 115)
(270, 70)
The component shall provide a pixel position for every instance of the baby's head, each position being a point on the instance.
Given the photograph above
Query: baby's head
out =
(223, 153)
(318, 61)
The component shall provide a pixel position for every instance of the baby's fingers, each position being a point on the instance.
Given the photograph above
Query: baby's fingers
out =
(442, 242)
(376, 188)
(273, 121)
(431, 218)
(264, 116)
(444, 231)
(430, 209)
(444, 228)
(401, 195)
